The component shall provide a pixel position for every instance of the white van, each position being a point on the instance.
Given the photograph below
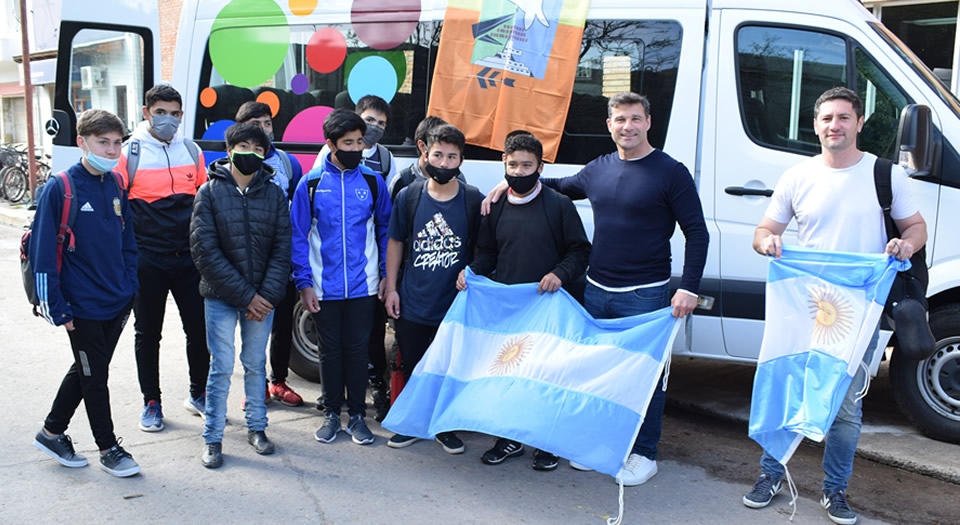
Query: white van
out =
(732, 85)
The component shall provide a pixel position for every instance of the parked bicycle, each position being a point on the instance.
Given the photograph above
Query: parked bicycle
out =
(14, 183)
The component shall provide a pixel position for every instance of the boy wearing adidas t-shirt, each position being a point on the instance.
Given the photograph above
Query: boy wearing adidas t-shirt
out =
(87, 289)
(433, 248)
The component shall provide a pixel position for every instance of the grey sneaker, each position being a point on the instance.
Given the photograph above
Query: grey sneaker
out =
(357, 428)
(196, 405)
(763, 492)
(59, 448)
(328, 430)
(118, 462)
(837, 508)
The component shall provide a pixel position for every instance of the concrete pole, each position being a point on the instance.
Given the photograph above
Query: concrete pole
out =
(28, 99)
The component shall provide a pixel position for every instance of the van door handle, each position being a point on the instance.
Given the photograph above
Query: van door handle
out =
(741, 191)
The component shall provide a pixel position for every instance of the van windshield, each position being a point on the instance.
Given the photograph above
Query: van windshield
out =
(914, 62)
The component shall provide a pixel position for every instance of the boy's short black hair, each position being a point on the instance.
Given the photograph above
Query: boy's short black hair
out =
(447, 134)
(162, 93)
(340, 122)
(97, 122)
(424, 127)
(375, 103)
(246, 132)
(253, 109)
(523, 141)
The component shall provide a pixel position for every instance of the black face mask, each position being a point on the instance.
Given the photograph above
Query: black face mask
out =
(441, 175)
(522, 185)
(349, 159)
(246, 162)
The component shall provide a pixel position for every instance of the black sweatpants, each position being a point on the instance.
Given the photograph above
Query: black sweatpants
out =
(414, 339)
(281, 335)
(160, 274)
(344, 331)
(93, 344)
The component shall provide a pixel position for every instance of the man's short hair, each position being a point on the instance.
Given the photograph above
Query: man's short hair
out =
(842, 93)
(246, 132)
(375, 103)
(253, 109)
(516, 132)
(447, 134)
(340, 122)
(95, 122)
(627, 98)
(523, 141)
(425, 126)
(162, 93)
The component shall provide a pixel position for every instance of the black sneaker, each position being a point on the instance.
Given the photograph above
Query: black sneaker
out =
(450, 442)
(503, 449)
(212, 455)
(261, 443)
(380, 395)
(763, 492)
(401, 441)
(543, 460)
(357, 428)
(118, 462)
(59, 448)
(837, 508)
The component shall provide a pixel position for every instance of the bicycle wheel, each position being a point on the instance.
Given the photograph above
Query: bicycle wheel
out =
(15, 184)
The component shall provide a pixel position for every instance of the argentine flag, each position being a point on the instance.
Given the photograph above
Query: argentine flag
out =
(537, 369)
(821, 312)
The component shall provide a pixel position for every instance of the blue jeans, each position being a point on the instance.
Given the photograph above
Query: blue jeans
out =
(221, 320)
(842, 438)
(602, 304)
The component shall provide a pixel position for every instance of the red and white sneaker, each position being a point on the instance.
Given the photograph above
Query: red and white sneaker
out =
(284, 394)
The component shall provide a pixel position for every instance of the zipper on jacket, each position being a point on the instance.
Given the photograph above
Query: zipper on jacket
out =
(343, 226)
(246, 222)
(169, 169)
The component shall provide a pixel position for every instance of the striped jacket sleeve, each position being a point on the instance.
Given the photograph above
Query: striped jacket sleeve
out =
(43, 257)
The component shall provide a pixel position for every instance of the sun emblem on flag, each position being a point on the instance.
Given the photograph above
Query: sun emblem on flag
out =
(510, 355)
(833, 314)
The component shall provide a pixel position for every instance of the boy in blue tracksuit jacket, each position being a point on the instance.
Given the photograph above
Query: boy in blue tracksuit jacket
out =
(340, 213)
(92, 293)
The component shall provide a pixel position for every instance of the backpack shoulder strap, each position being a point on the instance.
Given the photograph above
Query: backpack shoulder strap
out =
(312, 183)
(67, 217)
(882, 169)
(472, 198)
(371, 179)
(287, 165)
(412, 201)
(133, 160)
(385, 159)
(194, 151)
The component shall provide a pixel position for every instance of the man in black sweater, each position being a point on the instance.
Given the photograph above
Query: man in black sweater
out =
(638, 194)
(534, 235)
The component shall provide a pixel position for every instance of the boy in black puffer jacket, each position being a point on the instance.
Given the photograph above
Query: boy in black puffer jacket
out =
(240, 242)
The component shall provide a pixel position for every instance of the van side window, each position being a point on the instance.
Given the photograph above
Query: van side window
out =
(316, 75)
(616, 56)
(106, 72)
(783, 70)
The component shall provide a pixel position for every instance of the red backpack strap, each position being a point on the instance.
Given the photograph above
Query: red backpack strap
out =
(67, 216)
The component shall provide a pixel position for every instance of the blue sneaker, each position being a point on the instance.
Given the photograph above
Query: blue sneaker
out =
(151, 419)
(196, 405)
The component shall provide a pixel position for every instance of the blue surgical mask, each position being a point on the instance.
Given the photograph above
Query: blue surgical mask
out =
(102, 163)
(164, 126)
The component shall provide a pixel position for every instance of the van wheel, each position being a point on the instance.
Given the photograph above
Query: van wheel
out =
(305, 354)
(928, 391)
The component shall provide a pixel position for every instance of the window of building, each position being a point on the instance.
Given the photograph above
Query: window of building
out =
(106, 72)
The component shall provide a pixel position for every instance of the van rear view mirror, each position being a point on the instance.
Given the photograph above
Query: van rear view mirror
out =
(915, 140)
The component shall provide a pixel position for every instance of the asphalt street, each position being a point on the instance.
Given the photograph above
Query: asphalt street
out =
(305, 481)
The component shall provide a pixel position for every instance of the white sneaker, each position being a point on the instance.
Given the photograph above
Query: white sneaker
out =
(581, 468)
(637, 470)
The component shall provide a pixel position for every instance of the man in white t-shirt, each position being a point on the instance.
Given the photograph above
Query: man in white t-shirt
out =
(834, 200)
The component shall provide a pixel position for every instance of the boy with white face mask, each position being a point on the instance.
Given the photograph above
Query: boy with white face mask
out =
(87, 289)
(162, 172)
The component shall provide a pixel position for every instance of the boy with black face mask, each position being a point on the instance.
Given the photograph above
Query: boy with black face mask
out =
(240, 242)
(534, 235)
(340, 214)
(433, 230)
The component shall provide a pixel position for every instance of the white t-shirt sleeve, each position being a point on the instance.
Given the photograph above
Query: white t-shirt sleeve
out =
(781, 204)
(904, 202)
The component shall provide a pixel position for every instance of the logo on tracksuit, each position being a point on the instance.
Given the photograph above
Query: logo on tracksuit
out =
(362, 194)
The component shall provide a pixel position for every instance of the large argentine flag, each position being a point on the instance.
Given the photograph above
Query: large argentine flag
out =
(822, 310)
(537, 369)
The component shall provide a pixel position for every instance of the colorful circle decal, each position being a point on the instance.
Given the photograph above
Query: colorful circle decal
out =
(244, 53)
(208, 97)
(373, 75)
(217, 129)
(326, 50)
(302, 7)
(270, 98)
(307, 126)
(299, 84)
(396, 59)
(384, 24)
